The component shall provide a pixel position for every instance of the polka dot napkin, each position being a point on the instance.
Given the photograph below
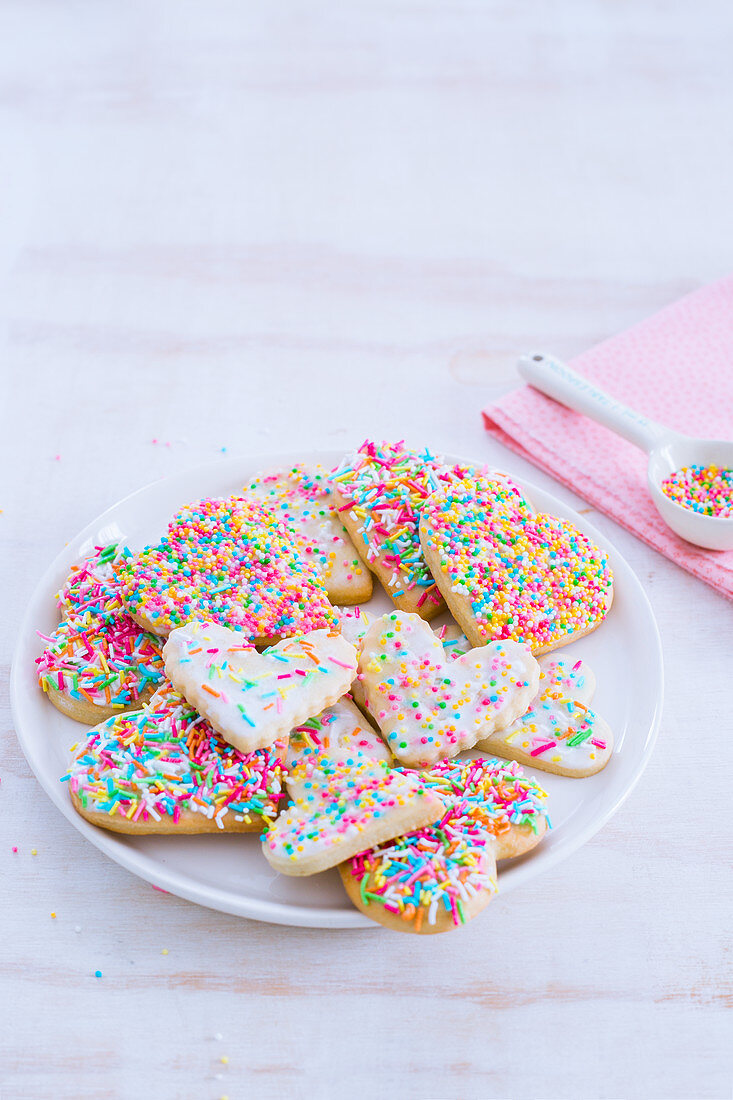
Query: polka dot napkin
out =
(675, 367)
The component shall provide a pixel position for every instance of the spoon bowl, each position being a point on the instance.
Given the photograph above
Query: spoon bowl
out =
(675, 452)
(668, 450)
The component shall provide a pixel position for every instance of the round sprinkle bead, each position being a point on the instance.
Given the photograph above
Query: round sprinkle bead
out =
(707, 490)
(531, 577)
(228, 561)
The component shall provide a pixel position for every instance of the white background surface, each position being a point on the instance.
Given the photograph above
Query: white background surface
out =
(260, 226)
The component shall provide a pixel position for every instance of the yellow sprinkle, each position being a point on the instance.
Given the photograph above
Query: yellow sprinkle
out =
(34, 852)
(53, 914)
(224, 1060)
(164, 951)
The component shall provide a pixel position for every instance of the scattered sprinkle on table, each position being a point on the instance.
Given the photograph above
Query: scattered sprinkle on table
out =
(707, 490)
(97, 973)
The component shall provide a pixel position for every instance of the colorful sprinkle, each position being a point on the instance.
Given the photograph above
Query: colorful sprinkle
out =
(155, 764)
(302, 497)
(383, 488)
(442, 866)
(534, 578)
(429, 707)
(707, 490)
(98, 654)
(339, 806)
(228, 561)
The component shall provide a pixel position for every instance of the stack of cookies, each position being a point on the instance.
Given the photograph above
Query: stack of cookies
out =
(235, 682)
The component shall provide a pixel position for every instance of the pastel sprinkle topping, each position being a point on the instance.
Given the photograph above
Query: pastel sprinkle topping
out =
(340, 805)
(98, 653)
(443, 866)
(534, 578)
(164, 760)
(229, 561)
(429, 707)
(384, 486)
(707, 490)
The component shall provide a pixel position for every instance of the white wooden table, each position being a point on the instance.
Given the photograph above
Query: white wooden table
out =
(296, 224)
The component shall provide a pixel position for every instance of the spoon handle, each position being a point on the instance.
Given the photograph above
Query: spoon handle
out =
(554, 378)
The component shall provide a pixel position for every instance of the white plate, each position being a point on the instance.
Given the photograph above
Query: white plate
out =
(229, 872)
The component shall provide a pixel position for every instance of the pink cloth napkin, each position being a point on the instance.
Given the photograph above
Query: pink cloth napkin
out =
(677, 368)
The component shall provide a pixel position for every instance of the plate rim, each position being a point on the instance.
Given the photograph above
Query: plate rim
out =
(173, 881)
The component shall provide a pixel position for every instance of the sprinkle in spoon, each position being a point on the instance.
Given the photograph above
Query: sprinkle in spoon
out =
(669, 451)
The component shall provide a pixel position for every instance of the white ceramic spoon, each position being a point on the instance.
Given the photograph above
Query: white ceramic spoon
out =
(668, 450)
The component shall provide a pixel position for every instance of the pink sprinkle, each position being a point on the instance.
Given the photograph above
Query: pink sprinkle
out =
(341, 664)
(577, 665)
(543, 748)
(15, 849)
(598, 744)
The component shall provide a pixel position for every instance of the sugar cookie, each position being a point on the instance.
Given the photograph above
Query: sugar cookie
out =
(338, 732)
(253, 698)
(506, 573)
(558, 733)
(98, 662)
(340, 807)
(429, 707)
(228, 561)
(302, 497)
(165, 770)
(437, 878)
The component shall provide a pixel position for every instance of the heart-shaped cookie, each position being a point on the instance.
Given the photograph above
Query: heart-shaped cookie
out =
(165, 770)
(98, 662)
(227, 561)
(506, 573)
(439, 877)
(558, 733)
(429, 707)
(341, 806)
(253, 698)
(338, 732)
(301, 496)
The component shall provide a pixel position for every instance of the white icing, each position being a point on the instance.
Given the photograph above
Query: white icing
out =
(253, 698)
(430, 708)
